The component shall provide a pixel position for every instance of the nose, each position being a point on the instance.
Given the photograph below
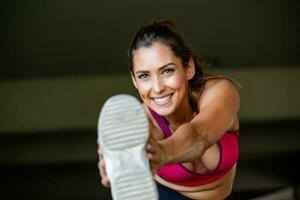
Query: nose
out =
(157, 85)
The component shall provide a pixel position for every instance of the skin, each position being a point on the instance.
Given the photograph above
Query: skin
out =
(162, 83)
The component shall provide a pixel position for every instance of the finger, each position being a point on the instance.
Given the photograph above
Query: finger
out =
(99, 151)
(150, 148)
(105, 182)
(151, 141)
(154, 161)
(102, 167)
(104, 178)
(102, 172)
(99, 167)
(153, 168)
(149, 156)
(100, 156)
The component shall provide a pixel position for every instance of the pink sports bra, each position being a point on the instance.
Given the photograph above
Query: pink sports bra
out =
(180, 175)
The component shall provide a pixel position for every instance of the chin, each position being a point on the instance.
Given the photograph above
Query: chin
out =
(163, 110)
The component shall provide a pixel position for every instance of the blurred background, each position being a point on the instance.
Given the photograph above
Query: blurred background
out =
(61, 59)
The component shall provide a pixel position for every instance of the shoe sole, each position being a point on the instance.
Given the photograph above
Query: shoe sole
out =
(122, 134)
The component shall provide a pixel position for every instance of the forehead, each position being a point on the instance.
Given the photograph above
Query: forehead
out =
(155, 56)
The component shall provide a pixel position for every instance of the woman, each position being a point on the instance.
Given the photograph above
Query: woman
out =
(192, 115)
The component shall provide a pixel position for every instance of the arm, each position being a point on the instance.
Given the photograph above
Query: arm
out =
(102, 171)
(218, 107)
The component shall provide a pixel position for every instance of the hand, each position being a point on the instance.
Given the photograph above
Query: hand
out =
(156, 154)
(101, 167)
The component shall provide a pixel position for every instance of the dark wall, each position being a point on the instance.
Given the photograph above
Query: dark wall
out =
(59, 37)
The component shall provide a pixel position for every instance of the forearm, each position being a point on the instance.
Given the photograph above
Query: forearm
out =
(185, 145)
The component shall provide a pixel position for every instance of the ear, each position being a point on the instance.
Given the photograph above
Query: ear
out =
(190, 69)
(133, 80)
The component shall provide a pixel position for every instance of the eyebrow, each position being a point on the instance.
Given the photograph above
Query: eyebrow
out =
(160, 69)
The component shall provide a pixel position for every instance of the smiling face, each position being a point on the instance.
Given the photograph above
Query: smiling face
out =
(161, 79)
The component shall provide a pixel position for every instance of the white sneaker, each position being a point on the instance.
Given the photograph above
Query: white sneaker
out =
(122, 134)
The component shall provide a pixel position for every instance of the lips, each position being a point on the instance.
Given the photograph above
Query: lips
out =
(161, 101)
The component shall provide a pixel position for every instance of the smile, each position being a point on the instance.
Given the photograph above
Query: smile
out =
(161, 101)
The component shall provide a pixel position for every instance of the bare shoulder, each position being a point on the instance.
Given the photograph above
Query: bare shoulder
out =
(220, 82)
(219, 91)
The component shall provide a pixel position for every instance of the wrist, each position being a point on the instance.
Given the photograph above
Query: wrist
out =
(166, 157)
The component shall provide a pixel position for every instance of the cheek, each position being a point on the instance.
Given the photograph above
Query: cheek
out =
(176, 82)
(143, 89)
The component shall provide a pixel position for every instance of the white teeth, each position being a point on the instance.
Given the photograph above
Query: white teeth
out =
(162, 100)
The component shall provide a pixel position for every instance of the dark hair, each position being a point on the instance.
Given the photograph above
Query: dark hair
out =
(166, 33)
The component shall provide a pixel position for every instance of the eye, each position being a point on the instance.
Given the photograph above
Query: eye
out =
(143, 76)
(168, 71)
